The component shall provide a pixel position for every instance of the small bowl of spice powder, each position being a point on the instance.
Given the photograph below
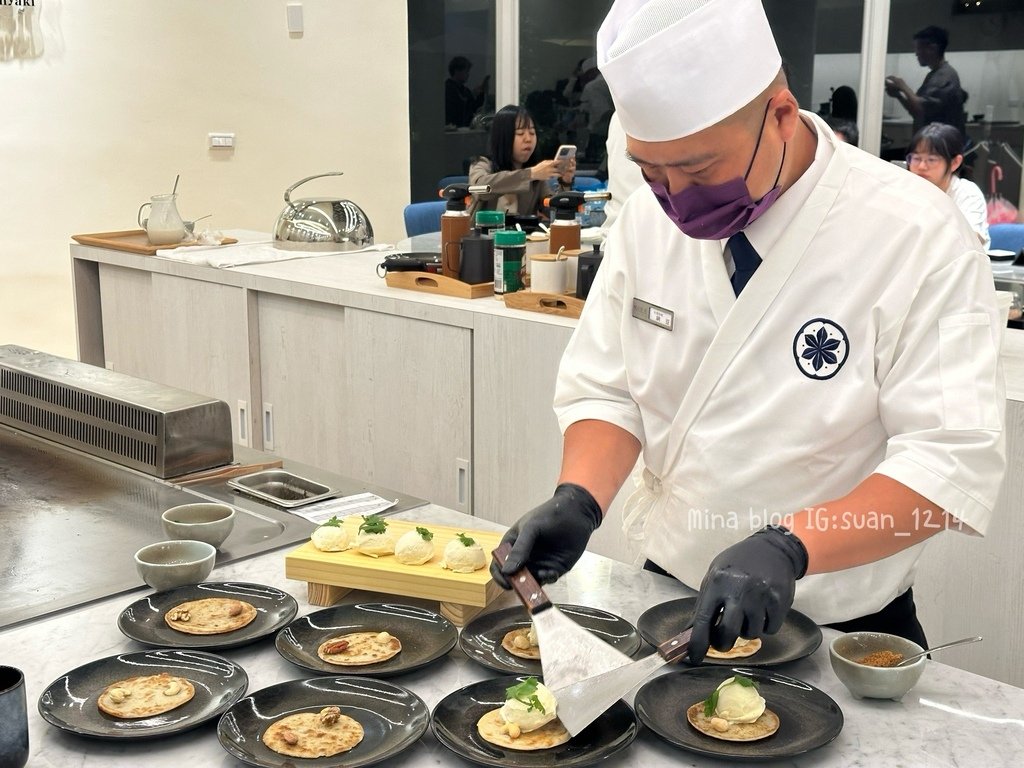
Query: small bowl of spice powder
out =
(865, 662)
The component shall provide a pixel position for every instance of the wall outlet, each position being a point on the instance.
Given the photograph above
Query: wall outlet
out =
(221, 140)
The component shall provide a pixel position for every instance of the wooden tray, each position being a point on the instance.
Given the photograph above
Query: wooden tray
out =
(431, 283)
(330, 575)
(562, 304)
(133, 240)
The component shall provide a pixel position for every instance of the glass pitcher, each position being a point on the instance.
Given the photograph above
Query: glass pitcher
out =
(164, 225)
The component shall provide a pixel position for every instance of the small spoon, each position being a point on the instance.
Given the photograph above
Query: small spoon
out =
(934, 648)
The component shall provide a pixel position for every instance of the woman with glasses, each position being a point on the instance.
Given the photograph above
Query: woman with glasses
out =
(935, 154)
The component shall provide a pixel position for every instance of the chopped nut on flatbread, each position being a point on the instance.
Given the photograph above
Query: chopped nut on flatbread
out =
(762, 728)
(493, 729)
(145, 696)
(357, 648)
(517, 643)
(210, 616)
(314, 734)
(738, 651)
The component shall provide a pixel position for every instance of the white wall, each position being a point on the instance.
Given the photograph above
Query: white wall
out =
(126, 90)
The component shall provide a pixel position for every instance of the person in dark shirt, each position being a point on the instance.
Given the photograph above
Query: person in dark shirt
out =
(940, 99)
(460, 103)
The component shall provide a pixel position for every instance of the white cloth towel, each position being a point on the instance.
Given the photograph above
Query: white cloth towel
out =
(251, 248)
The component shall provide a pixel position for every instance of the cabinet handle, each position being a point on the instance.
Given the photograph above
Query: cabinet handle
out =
(267, 426)
(243, 423)
(462, 486)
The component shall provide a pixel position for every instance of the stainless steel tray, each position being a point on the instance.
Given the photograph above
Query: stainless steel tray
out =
(282, 488)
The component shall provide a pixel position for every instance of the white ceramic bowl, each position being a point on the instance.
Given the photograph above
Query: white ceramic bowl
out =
(169, 564)
(199, 522)
(869, 682)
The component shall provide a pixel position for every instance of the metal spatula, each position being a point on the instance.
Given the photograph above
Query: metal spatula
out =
(568, 652)
(582, 702)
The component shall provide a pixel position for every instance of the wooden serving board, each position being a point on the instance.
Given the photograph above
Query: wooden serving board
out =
(133, 240)
(431, 283)
(330, 575)
(562, 304)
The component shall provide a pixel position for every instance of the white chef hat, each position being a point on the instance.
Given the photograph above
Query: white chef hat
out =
(675, 67)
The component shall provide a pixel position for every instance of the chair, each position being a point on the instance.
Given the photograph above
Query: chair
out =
(452, 180)
(587, 183)
(1007, 237)
(421, 218)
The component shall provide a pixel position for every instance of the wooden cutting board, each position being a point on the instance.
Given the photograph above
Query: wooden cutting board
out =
(330, 575)
(133, 240)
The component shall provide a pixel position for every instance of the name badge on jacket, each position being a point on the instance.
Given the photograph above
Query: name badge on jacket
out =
(653, 314)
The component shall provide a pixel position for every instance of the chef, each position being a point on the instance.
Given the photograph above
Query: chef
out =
(799, 340)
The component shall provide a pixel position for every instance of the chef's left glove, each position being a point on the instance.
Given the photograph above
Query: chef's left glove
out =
(748, 590)
(551, 538)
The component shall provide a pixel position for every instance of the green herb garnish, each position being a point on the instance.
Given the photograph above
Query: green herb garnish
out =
(424, 533)
(334, 522)
(373, 524)
(711, 702)
(526, 693)
(468, 542)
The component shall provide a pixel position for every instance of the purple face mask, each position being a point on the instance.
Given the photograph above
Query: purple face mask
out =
(719, 211)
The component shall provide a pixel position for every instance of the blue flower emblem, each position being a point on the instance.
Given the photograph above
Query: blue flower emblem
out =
(821, 347)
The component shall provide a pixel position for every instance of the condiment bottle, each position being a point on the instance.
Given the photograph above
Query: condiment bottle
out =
(509, 250)
(489, 222)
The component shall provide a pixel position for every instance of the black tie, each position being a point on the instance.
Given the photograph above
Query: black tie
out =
(746, 260)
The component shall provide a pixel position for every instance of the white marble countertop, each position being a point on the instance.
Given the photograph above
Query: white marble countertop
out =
(951, 718)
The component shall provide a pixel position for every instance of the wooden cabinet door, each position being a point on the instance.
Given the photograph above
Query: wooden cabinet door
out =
(373, 396)
(181, 332)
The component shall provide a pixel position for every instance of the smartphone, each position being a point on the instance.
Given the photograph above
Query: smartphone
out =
(565, 153)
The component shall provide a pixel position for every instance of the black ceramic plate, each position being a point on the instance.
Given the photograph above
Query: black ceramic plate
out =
(455, 717)
(143, 620)
(426, 637)
(798, 637)
(808, 718)
(69, 702)
(481, 638)
(393, 719)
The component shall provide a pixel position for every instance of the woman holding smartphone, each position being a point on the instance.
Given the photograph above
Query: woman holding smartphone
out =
(517, 177)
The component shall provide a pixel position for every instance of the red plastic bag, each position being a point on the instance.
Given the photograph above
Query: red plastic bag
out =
(1000, 210)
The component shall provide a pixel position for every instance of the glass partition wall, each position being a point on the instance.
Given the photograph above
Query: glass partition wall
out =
(837, 52)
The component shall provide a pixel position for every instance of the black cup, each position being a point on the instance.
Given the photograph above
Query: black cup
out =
(477, 264)
(13, 719)
(586, 271)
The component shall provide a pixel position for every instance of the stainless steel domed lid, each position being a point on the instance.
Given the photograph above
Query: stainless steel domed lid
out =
(321, 223)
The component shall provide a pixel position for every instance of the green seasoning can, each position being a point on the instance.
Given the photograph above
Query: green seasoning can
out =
(509, 252)
(488, 222)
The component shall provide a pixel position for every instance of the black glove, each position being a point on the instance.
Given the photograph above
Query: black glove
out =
(751, 585)
(552, 537)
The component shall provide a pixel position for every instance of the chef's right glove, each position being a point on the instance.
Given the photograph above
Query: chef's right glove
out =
(748, 590)
(551, 538)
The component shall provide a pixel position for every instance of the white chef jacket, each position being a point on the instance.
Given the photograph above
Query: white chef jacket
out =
(971, 202)
(866, 342)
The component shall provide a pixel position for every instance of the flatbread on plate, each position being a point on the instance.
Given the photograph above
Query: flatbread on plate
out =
(737, 651)
(508, 643)
(145, 696)
(762, 728)
(358, 648)
(210, 616)
(492, 728)
(313, 734)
